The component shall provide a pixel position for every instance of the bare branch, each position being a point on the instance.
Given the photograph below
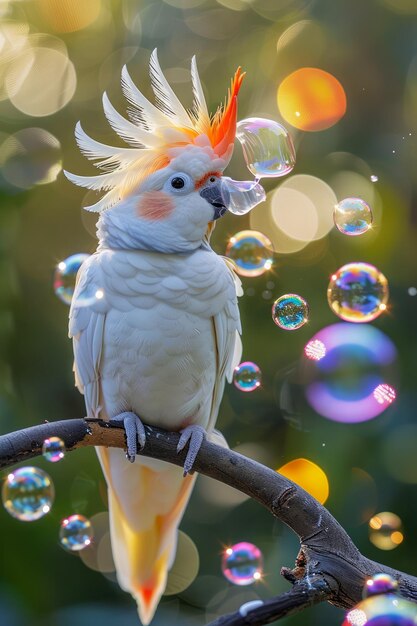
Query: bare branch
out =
(328, 566)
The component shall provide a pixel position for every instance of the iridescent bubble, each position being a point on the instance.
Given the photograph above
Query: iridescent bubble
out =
(384, 394)
(267, 147)
(247, 376)
(352, 216)
(385, 530)
(383, 610)
(76, 533)
(251, 251)
(242, 563)
(53, 449)
(290, 311)
(341, 385)
(380, 583)
(31, 156)
(243, 195)
(315, 350)
(28, 493)
(358, 292)
(66, 274)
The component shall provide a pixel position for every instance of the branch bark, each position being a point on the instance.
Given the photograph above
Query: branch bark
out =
(328, 566)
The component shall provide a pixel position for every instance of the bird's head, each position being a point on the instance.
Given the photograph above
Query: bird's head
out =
(164, 191)
(174, 209)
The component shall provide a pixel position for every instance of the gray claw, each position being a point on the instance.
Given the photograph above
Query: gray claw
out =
(135, 431)
(195, 435)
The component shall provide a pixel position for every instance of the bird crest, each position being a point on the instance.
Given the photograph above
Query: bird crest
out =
(155, 134)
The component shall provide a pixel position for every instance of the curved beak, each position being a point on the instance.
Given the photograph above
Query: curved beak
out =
(218, 196)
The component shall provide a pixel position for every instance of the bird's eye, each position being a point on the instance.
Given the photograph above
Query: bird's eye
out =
(177, 182)
(212, 179)
(180, 183)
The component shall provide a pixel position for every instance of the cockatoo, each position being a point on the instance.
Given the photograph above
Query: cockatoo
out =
(154, 317)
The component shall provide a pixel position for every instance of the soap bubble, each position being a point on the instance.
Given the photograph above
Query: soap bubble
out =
(76, 533)
(380, 583)
(385, 530)
(247, 376)
(290, 311)
(53, 449)
(311, 99)
(384, 394)
(243, 195)
(341, 385)
(358, 292)
(267, 147)
(31, 156)
(66, 274)
(28, 493)
(352, 216)
(242, 563)
(251, 251)
(382, 610)
(315, 350)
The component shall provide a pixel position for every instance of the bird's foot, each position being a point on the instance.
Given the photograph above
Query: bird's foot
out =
(135, 431)
(195, 435)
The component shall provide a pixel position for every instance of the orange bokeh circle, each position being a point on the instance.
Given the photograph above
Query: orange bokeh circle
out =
(311, 99)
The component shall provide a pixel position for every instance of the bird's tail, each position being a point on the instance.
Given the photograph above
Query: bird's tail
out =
(143, 525)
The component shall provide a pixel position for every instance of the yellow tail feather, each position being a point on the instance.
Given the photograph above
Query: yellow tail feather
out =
(144, 555)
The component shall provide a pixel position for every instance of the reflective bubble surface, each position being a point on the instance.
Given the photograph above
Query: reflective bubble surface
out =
(66, 274)
(290, 311)
(242, 563)
(380, 583)
(251, 251)
(385, 530)
(267, 147)
(247, 376)
(352, 216)
(28, 493)
(244, 195)
(382, 610)
(341, 385)
(75, 533)
(384, 394)
(358, 292)
(315, 350)
(53, 449)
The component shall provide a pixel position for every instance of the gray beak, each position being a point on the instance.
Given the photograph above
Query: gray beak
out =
(218, 196)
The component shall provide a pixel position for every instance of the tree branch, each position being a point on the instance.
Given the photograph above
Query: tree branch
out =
(328, 566)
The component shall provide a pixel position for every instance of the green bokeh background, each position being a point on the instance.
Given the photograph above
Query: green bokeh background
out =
(370, 47)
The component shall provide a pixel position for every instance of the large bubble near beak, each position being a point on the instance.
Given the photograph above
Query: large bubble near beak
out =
(244, 195)
(267, 147)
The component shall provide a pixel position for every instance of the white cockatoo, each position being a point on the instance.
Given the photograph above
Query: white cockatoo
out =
(154, 317)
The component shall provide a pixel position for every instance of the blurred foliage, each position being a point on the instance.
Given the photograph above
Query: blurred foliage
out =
(56, 58)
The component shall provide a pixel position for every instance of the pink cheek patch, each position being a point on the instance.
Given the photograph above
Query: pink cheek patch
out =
(155, 205)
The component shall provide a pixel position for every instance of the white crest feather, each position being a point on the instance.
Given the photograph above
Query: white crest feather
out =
(165, 95)
(200, 110)
(145, 112)
(111, 157)
(130, 132)
(154, 136)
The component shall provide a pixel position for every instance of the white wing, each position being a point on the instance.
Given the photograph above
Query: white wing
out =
(227, 331)
(86, 327)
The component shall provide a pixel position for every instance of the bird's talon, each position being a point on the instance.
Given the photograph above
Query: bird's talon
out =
(194, 436)
(135, 433)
